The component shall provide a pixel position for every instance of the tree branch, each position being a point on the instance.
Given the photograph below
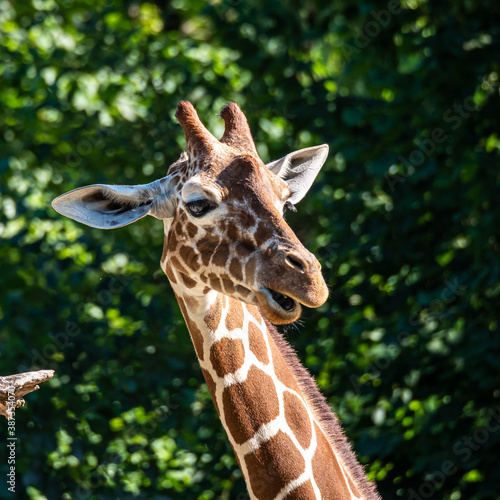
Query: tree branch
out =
(14, 387)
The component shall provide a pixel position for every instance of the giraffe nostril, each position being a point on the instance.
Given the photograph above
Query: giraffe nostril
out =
(296, 262)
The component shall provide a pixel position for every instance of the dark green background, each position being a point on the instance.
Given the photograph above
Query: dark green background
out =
(404, 217)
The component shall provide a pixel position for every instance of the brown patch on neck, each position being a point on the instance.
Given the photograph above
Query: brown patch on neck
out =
(213, 316)
(257, 343)
(281, 368)
(304, 492)
(211, 387)
(194, 331)
(274, 465)
(164, 252)
(221, 255)
(235, 270)
(326, 470)
(191, 303)
(254, 311)
(170, 273)
(250, 404)
(188, 282)
(189, 256)
(297, 418)
(197, 339)
(227, 356)
(330, 425)
(228, 286)
(235, 315)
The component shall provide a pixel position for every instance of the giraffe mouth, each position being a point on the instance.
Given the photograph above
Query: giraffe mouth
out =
(284, 301)
(280, 308)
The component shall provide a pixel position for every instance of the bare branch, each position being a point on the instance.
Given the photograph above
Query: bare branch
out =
(14, 387)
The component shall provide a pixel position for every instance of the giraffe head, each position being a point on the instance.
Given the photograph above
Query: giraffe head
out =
(223, 213)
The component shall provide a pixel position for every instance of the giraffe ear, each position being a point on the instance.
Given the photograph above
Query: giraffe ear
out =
(299, 169)
(109, 207)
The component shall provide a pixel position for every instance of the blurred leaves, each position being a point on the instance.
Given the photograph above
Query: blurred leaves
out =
(405, 222)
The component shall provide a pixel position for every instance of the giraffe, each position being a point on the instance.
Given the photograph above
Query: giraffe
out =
(237, 269)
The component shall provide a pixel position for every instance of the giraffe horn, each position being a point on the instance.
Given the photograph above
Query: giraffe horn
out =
(237, 132)
(198, 139)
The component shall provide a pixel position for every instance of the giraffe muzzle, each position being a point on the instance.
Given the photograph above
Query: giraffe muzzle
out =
(289, 279)
(278, 307)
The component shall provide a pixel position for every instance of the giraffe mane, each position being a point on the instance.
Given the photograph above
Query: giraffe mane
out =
(328, 421)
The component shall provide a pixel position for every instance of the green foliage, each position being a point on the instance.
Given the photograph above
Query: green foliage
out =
(404, 217)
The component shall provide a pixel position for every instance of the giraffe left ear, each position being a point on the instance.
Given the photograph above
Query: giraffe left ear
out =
(108, 207)
(299, 169)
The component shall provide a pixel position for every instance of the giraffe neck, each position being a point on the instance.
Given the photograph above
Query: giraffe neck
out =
(276, 427)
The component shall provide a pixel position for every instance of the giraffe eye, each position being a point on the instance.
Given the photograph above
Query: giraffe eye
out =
(199, 208)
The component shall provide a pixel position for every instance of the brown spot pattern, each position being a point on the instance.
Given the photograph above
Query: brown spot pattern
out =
(235, 315)
(182, 307)
(221, 256)
(243, 249)
(250, 269)
(190, 257)
(257, 343)
(227, 355)
(326, 470)
(228, 286)
(191, 303)
(206, 247)
(177, 264)
(250, 404)
(191, 229)
(254, 312)
(172, 240)
(213, 316)
(263, 233)
(205, 258)
(281, 368)
(215, 284)
(197, 338)
(235, 270)
(304, 492)
(211, 387)
(164, 252)
(170, 273)
(232, 231)
(273, 466)
(298, 419)
(244, 292)
(188, 282)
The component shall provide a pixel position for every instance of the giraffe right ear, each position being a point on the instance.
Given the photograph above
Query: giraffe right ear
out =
(299, 169)
(108, 207)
